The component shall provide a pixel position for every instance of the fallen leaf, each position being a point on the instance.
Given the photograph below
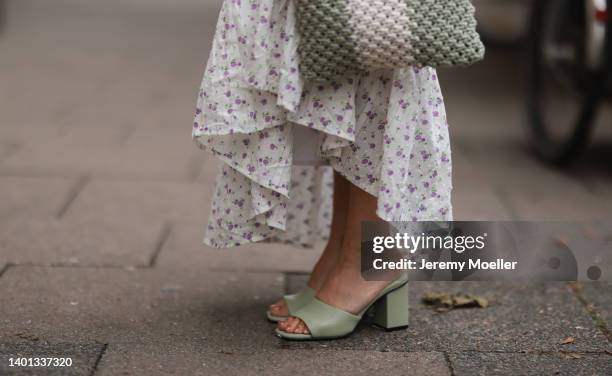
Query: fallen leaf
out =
(571, 355)
(444, 302)
(567, 341)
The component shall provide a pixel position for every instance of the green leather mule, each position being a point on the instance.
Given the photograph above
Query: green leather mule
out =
(326, 322)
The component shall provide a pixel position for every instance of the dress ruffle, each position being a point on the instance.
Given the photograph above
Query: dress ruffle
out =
(384, 131)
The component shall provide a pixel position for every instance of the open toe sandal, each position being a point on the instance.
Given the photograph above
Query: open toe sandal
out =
(327, 322)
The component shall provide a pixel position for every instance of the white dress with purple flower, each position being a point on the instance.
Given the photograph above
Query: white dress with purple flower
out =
(385, 131)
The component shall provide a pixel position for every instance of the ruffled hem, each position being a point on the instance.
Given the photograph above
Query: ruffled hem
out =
(371, 130)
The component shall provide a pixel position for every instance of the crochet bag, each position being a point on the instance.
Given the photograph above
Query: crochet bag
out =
(343, 36)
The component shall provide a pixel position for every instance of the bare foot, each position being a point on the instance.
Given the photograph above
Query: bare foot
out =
(344, 287)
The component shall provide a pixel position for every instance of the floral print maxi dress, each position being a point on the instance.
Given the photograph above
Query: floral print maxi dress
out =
(385, 131)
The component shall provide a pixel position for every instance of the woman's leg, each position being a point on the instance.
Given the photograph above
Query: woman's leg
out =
(330, 254)
(344, 287)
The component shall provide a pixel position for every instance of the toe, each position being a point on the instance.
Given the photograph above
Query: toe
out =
(279, 308)
(304, 328)
(285, 324)
(300, 328)
(292, 325)
(282, 325)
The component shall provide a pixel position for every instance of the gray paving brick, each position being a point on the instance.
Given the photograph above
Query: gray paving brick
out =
(31, 107)
(184, 249)
(3, 268)
(167, 154)
(181, 360)
(500, 119)
(83, 358)
(601, 185)
(521, 317)
(142, 203)
(77, 242)
(73, 151)
(86, 305)
(208, 171)
(558, 206)
(114, 153)
(508, 163)
(106, 151)
(18, 134)
(478, 203)
(24, 197)
(599, 295)
(498, 364)
(474, 196)
(529, 189)
(466, 173)
(8, 147)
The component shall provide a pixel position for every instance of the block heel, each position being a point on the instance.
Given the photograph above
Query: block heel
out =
(391, 310)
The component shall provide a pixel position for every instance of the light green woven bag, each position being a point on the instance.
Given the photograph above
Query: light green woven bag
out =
(345, 36)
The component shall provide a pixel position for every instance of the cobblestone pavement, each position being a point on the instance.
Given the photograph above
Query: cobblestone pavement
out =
(104, 199)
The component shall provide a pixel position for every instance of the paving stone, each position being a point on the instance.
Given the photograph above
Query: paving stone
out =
(8, 147)
(466, 173)
(485, 78)
(507, 163)
(179, 360)
(30, 106)
(500, 119)
(142, 203)
(478, 203)
(156, 154)
(557, 206)
(502, 116)
(145, 306)
(474, 196)
(531, 190)
(107, 151)
(73, 150)
(184, 248)
(14, 137)
(600, 185)
(599, 295)
(77, 242)
(25, 197)
(498, 364)
(521, 317)
(83, 358)
(208, 171)
(3, 268)
(115, 153)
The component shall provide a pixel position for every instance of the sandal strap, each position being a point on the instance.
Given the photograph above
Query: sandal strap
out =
(296, 301)
(324, 320)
